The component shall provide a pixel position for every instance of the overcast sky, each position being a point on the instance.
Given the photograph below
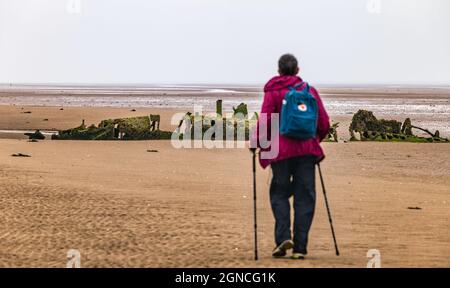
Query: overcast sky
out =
(224, 41)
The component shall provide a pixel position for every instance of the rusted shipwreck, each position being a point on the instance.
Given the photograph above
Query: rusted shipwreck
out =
(134, 128)
(147, 127)
(365, 125)
(238, 126)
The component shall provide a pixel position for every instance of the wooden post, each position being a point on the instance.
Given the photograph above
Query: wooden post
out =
(219, 107)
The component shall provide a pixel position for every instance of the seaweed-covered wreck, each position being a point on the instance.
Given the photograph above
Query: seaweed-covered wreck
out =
(134, 128)
(199, 127)
(372, 129)
(191, 126)
(238, 126)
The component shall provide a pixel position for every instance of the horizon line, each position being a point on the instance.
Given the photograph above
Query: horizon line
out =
(221, 85)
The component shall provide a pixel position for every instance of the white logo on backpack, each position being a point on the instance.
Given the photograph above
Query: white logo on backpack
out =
(302, 107)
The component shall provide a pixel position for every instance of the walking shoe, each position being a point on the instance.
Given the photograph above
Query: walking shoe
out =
(298, 256)
(281, 249)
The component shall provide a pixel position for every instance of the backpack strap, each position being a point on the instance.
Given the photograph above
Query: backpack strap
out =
(299, 85)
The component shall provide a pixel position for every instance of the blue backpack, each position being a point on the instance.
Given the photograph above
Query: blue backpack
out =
(299, 114)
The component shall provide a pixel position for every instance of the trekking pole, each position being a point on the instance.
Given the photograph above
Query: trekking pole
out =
(328, 210)
(254, 203)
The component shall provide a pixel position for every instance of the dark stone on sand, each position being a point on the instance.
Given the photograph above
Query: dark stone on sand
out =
(20, 155)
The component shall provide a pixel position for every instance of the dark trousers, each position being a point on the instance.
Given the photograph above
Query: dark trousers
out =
(293, 177)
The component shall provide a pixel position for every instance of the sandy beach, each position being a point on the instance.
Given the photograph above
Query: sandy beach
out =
(122, 206)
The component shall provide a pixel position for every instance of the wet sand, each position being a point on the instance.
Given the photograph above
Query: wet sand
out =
(53, 118)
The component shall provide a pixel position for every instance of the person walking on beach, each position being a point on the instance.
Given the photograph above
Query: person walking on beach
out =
(294, 166)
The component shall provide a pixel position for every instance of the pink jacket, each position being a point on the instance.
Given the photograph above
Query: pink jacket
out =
(274, 92)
